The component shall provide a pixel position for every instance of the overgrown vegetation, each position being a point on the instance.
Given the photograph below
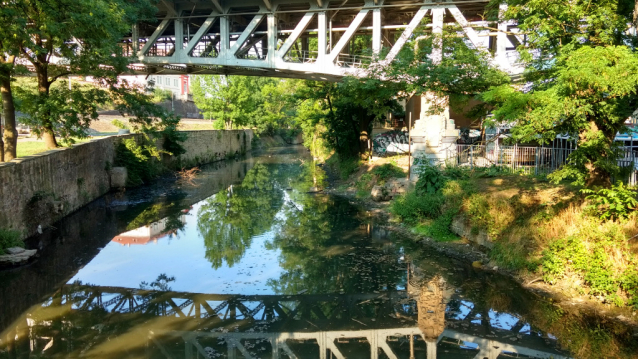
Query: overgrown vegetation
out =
(8, 239)
(581, 243)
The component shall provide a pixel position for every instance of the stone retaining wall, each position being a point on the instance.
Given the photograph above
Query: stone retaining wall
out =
(41, 189)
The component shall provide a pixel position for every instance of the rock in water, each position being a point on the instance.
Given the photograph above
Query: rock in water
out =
(14, 250)
(16, 256)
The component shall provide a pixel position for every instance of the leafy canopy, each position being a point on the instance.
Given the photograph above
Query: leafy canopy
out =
(582, 80)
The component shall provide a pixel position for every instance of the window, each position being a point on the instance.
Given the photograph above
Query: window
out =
(159, 80)
(175, 82)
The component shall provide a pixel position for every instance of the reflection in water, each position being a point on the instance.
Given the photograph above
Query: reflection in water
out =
(295, 274)
(168, 226)
(230, 219)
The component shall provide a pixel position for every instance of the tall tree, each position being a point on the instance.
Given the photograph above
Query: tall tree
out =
(12, 25)
(64, 37)
(228, 99)
(582, 75)
(351, 106)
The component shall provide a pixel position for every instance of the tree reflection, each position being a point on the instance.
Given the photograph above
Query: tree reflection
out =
(231, 218)
(324, 249)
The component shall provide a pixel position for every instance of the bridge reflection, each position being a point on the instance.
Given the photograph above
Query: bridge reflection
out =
(429, 320)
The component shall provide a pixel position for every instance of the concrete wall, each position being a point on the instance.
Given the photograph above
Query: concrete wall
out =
(41, 189)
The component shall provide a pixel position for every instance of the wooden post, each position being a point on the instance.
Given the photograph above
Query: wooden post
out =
(409, 144)
(471, 156)
(536, 163)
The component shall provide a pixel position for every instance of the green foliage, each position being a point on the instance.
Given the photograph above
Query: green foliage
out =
(439, 228)
(141, 160)
(365, 184)
(160, 95)
(147, 118)
(9, 238)
(583, 81)
(387, 171)
(590, 255)
(478, 211)
(43, 30)
(343, 166)
(629, 282)
(68, 112)
(431, 179)
(412, 208)
(614, 203)
(347, 110)
(513, 257)
(119, 124)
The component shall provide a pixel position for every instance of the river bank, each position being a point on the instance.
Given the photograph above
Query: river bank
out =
(619, 322)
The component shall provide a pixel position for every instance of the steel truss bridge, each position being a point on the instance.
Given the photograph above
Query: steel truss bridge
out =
(311, 39)
(388, 324)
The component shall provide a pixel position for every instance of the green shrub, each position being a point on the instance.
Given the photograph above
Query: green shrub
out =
(589, 254)
(439, 228)
(629, 282)
(412, 208)
(141, 161)
(9, 238)
(456, 172)
(617, 202)
(478, 211)
(431, 179)
(387, 171)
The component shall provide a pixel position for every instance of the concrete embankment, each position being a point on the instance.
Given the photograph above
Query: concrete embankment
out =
(38, 190)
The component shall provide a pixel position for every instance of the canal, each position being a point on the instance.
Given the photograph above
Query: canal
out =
(245, 260)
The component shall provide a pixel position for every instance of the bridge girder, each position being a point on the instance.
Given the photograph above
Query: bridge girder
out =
(311, 39)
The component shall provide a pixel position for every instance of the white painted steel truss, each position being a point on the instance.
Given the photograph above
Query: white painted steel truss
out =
(327, 343)
(312, 39)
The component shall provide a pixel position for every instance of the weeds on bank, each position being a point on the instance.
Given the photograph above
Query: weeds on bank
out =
(378, 176)
(553, 232)
(343, 166)
(9, 238)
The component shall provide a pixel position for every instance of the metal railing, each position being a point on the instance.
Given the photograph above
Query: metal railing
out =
(343, 60)
(528, 160)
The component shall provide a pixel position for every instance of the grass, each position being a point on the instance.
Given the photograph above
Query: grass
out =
(343, 166)
(9, 238)
(536, 228)
(28, 148)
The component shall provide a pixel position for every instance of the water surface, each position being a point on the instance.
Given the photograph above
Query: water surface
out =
(245, 261)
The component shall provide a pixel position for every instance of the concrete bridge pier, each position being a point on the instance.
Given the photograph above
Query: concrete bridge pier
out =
(434, 133)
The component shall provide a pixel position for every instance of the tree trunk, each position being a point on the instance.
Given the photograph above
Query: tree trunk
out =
(597, 176)
(48, 133)
(1, 143)
(9, 143)
(10, 133)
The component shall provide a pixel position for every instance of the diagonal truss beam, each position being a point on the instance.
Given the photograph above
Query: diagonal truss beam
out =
(247, 32)
(469, 31)
(202, 30)
(416, 20)
(157, 33)
(354, 26)
(218, 6)
(299, 29)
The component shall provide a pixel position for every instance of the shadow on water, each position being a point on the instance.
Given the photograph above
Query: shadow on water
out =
(249, 262)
